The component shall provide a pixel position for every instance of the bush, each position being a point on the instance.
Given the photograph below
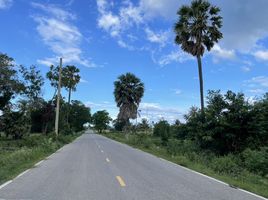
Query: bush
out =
(174, 147)
(256, 161)
(162, 129)
(228, 164)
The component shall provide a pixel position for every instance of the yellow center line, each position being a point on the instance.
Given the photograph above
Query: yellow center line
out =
(107, 159)
(121, 181)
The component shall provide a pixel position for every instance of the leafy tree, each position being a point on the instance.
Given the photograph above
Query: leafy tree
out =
(33, 82)
(162, 129)
(53, 76)
(79, 115)
(101, 120)
(144, 125)
(119, 125)
(128, 93)
(15, 124)
(197, 30)
(9, 83)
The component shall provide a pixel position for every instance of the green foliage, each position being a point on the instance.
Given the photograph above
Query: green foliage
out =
(128, 92)
(33, 82)
(10, 85)
(101, 120)
(16, 156)
(256, 160)
(79, 115)
(15, 124)
(226, 165)
(162, 130)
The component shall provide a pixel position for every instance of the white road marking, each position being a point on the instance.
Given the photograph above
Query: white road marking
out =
(21, 174)
(253, 194)
(39, 163)
(5, 184)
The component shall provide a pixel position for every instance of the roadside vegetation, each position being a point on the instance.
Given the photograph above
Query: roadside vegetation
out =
(227, 138)
(230, 144)
(27, 119)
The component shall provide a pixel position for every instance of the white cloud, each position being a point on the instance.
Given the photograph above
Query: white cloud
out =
(110, 23)
(245, 68)
(256, 91)
(177, 91)
(219, 52)
(261, 55)
(5, 4)
(83, 81)
(56, 28)
(174, 56)
(160, 38)
(257, 85)
(155, 112)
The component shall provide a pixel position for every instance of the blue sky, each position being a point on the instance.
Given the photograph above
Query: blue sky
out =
(106, 38)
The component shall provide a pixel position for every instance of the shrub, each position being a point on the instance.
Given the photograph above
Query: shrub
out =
(228, 164)
(256, 160)
(162, 129)
(174, 147)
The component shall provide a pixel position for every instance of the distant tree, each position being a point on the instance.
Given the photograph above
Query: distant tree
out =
(128, 93)
(119, 125)
(197, 30)
(9, 82)
(79, 115)
(143, 125)
(162, 130)
(101, 120)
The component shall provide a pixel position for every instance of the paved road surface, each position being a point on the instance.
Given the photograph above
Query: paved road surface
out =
(96, 168)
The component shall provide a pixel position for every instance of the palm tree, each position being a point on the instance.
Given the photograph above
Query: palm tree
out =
(128, 93)
(197, 30)
(70, 79)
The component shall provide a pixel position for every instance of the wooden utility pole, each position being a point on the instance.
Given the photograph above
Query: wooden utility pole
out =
(58, 101)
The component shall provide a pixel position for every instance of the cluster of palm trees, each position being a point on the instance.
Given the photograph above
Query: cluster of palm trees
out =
(197, 30)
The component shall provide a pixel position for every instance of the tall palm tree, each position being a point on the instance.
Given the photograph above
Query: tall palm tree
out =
(128, 93)
(70, 79)
(197, 30)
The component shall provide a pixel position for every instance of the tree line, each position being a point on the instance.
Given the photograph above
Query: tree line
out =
(23, 108)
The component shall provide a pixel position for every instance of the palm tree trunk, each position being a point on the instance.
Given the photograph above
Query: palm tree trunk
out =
(201, 84)
(69, 101)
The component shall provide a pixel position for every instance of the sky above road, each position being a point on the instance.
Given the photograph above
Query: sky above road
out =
(106, 38)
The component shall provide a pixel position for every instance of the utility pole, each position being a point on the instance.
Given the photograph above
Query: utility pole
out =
(58, 101)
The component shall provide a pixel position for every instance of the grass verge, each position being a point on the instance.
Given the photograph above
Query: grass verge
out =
(19, 155)
(241, 179)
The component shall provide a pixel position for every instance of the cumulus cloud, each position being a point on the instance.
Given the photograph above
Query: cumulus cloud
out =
(159, 38)
(5, 4)
(261, 55)
(221, 53)
(56, 28)
(174, 56)
(155, 112)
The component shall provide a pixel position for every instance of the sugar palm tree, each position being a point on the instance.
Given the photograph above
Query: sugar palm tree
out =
(70, 79)
(128, 93)
(197, 30)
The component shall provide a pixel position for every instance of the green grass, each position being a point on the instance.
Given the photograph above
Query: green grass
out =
(19, 155)
(200, 163)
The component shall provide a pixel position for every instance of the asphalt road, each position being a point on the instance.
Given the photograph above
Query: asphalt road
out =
(96, 168)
